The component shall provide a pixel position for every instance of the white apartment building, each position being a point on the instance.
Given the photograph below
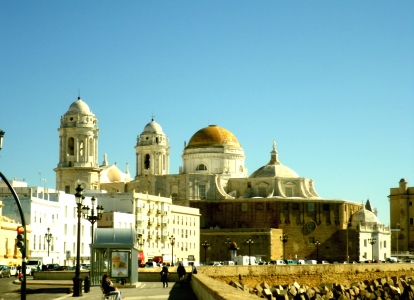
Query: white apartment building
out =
(47, 208)
(156, 220)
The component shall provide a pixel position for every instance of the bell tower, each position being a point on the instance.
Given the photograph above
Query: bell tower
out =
(78, 149)
(152, 151)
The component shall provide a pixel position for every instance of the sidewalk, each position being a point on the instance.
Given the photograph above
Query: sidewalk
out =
(139, 291)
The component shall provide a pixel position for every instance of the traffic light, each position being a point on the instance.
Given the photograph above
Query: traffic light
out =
(21, 238)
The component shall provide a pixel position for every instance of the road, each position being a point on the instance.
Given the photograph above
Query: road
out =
(145, 290)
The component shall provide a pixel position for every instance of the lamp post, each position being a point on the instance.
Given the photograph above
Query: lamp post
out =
(249, 242)
(372, 241)
(77, 281)
(48, 239)
(23, 221)
(205, 245)
(227, 242)
(172, 242)
(317, 243)
(92, 217)
(284, 239)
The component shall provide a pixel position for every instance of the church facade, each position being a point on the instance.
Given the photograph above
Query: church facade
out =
(213, 178)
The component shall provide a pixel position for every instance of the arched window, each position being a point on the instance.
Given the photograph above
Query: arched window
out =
(147, 161)
(71, 146)
(201, 167)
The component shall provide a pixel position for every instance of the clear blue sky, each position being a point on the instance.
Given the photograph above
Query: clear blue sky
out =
(331, 81)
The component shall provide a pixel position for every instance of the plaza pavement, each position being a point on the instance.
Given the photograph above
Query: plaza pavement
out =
(140, 291)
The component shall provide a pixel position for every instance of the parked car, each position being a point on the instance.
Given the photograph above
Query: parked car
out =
(411, 261)
(4, 271)
(291, 262)
(51, 267)
(277, 262)
(61, 268)
(311, 262)
(325, 262)
(214, 263)
(301, 262)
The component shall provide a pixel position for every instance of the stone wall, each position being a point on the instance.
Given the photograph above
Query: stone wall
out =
(311, 275)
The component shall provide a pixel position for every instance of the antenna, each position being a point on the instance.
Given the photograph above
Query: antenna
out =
(152, 116)
(79, 93)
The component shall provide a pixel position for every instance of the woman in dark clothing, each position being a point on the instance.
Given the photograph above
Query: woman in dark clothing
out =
(109, 289)
(164, 275)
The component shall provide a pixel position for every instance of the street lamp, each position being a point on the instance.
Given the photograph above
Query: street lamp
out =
(227, 242)
(92, 217)
(23, 221)
(372, 241)
(317, 243)
(48, 239)
(284, 239)
(205, 245)
(249, 242)
(172, 242)
(77, 281)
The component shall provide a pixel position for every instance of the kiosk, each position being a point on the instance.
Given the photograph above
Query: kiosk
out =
(115, 253)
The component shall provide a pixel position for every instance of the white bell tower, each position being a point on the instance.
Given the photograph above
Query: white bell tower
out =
(78, 149)
(152, 151)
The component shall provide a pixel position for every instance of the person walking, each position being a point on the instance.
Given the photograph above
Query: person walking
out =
(181, 272)
(109, 288)
(193, 271)
(164, 275)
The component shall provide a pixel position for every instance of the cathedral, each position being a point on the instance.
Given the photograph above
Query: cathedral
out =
(275, 207)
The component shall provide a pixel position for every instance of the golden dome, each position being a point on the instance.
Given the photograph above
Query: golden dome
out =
(213, 136)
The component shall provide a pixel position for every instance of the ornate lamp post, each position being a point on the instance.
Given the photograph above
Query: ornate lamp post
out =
(284, 239)
(48, 239)
(205, 245)
(249, 242)
(23, 221)
(92, 217)
(77, 281)
(372, 241)
(172, 242)
(317, 243)
(228, 243)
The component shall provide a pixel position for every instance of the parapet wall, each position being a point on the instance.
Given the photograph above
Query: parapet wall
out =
(311, 275)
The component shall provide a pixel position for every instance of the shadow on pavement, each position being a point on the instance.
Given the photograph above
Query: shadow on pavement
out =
(181, 291)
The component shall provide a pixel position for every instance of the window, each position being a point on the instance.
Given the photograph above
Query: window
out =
(295, 206)
(74, 230)
(311, 240)
(67, 189)
(34, 246)
(325, 207)
(411, 203)
(201, 167)
(311, 207)
(289, 192)
(262, 192)
(385, 244)
(147, 161)
(71, 146)
(365, 243)
(244, 207)
(411, 221)
(202, 191)
(81, 148)
(66, 229)
(285, 206)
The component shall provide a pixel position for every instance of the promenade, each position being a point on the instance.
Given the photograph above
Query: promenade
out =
(142, 290)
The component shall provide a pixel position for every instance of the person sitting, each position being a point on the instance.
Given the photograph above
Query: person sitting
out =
(109, 288)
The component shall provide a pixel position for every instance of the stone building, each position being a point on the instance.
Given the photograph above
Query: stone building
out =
(214, 179)
(402, 218)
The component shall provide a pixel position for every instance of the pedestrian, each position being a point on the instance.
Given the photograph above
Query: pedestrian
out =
(18, 270)
(109, 288)
(164, 275)
(193, 271)
(181, 271)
